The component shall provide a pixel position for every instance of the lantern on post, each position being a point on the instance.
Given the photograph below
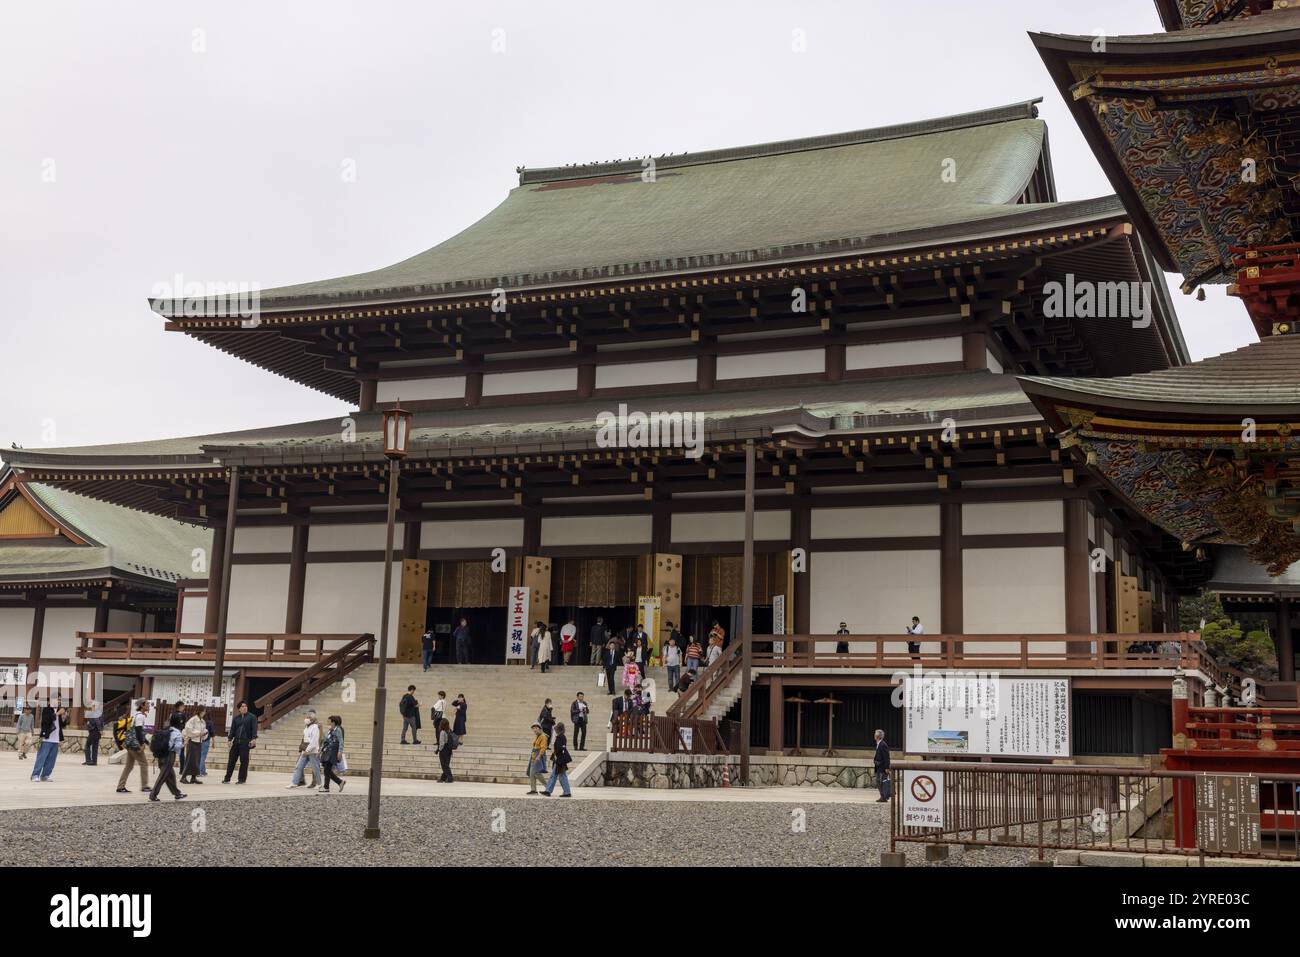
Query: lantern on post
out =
(397, 432)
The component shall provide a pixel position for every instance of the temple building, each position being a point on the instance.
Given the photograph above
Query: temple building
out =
(859, 306)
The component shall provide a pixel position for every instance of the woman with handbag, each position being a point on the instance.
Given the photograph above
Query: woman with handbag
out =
(560, 761)
(330, 753)
(462, 709)
(194, 734)
(445, 747)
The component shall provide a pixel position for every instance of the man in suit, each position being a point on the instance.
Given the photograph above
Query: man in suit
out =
(242, 734)
(612, 663)
(881, 764)
(597, 640)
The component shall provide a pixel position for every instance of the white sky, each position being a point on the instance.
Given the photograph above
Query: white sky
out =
(225, 164)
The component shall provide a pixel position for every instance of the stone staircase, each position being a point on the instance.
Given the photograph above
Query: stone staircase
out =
(503, 701)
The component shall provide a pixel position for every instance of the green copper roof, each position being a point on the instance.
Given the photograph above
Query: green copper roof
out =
(124, 542)
(850, 192)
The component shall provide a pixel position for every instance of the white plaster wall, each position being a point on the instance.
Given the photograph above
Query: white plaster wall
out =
(259, 598)
(992, 360)
(260, 541)
(352, 538)
(759, 364)
(874, 593)
(343, 598)
(915, 352)
(193, 615)
(1014, 591)
(729, 526)
(16, 632)
(119, 620)
(414, 390)
(519, 383)
(475, 533)
(597, 530)
(886, 521)
(59, 639)
(645, 373)
(1012, 518)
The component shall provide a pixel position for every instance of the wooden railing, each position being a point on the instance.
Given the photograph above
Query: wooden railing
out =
(307, 684)
(175, 646)
(1244, 729)
(1111, 652)
(665, 734)
(695, 700)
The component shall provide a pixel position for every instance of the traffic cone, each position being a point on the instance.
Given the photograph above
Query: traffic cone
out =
(726, 775)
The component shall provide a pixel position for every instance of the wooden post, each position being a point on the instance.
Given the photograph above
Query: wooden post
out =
(776, 717)
(223, 611)
(747, 616)
(215, 574)
(1078, 614)
(1285, 642)
(38, 634)
(297, 586)
(951, 588)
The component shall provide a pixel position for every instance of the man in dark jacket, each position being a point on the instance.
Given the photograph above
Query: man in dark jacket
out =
(578, 712)
(612, 661)
(409, 709)
(464, 646)
(546, 718)
(881, 764)
(243, 732)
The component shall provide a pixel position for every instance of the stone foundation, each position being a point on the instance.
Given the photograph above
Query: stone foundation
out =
(635, 770)
(74, 742)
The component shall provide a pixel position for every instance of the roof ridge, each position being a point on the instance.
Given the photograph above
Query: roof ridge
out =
(1026, 110)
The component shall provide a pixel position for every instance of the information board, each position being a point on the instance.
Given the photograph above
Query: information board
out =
(960, 713)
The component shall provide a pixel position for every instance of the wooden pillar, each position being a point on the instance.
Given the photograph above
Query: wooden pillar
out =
(667, 586)
(38, 634)
(661, 528)
(537, 579)
(1285, 642)
(411, 541)
(215, 573)
(473, 388)
(776, 716)
(800, 622)
(836, 360)
(101, 614)
(974, 351)
(412, 609)
(532, 536)
(586, 379)
(1077, 577)
(366, 398)
(297, 586)
(228, 545)
(951, 587)
(706, 372)
(746, 629)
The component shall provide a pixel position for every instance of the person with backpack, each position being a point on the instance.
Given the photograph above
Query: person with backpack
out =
(330, 753)
(448, 742)
(128, 734)
(194, 733)
(560, 761)
(537, 759)
(166, 747)
(243, 732)
(409, 709)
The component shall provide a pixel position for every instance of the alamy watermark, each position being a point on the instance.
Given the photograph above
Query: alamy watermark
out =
(651, 430)
(1085, 299)
(180, 299)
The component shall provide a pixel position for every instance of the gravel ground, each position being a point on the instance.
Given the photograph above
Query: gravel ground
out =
(423, 832)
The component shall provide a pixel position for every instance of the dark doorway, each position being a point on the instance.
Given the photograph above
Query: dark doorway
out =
(487, 627)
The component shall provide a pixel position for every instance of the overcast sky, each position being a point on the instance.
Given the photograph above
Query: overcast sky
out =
(144, 140)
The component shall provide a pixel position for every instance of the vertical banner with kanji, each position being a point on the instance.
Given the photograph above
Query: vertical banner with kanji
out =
(517, 623)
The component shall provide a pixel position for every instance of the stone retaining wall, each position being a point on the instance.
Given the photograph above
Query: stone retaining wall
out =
(634, 770)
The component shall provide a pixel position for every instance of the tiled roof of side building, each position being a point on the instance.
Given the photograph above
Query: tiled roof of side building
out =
(1258, 378)
(120, 540)
(806, 198)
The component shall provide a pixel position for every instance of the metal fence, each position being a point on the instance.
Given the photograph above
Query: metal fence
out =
(1059, 807)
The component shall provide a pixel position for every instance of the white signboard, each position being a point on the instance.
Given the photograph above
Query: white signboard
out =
(922, 799)
(969, 713)
(778, 622)
(688, 736)
(517, 623)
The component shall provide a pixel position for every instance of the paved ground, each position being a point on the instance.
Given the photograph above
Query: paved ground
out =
(428, 824)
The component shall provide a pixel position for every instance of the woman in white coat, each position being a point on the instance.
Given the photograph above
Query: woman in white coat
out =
(545, 649)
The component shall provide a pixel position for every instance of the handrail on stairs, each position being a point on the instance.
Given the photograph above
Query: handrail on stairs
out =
(311, 682)
(694, 701)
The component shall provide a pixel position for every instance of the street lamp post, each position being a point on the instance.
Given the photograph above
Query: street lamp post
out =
(397, 430)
